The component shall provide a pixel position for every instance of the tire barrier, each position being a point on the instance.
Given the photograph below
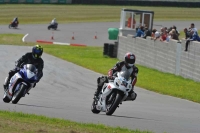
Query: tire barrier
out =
(110, 49)
(105, 49)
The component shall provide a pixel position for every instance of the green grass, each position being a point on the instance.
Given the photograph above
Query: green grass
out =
(43, 13)
(149, 79)
(13, 122)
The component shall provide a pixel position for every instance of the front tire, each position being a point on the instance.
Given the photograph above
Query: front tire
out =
(114, 102)
(5, 98)
(93, 108)
(17, 95)
(9, 26)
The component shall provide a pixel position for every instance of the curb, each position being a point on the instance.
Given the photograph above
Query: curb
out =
(60, 43)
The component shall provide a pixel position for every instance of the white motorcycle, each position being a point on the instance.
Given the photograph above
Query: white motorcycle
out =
(20, 83)
(112, 94)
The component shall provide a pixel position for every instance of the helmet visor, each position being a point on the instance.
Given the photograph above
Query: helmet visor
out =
(130, 61)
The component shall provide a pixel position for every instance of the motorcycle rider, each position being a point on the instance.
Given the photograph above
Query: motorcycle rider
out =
(15, 21)
(128, 63)
(53, 22)
(34, 58)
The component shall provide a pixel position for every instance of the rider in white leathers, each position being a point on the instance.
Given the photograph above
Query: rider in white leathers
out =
(53, 21)
(128, 64)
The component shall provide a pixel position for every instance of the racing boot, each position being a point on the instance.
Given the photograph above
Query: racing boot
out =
(96, 94)
(5, 85)
(132, 96)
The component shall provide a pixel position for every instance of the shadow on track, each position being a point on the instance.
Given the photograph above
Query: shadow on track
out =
(129, 117)
(38, 106)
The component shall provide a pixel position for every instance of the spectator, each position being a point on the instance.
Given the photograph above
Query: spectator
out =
(165, 28)
(140, 32)
(170, 28)
(174, 34)
(163, 35)
(131, 21)
(153, 33)
(156, 36)
(194, 37)
(174, 27)
(168, 36)
(147, 32)
(187, 33)
(162, 29)
(192, 27)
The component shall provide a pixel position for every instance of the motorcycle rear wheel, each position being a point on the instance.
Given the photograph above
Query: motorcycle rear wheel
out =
(114, 102)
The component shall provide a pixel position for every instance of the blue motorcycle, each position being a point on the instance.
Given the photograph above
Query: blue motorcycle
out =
(21, 83)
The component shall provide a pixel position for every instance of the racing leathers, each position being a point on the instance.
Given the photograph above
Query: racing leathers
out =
(53, 22)
(15, 21)
(26, 59)
(120, 66)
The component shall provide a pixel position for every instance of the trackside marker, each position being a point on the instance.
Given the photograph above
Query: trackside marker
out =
(23, 39)
(41, 41)
(60, 43)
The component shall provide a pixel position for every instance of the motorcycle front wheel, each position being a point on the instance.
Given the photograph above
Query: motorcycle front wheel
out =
(9, 26)
(93, 108)
(5, 98)
(18, 94)
(113, 101)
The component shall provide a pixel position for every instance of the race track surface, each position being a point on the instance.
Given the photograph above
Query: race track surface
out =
(66, 91)
(84, 33)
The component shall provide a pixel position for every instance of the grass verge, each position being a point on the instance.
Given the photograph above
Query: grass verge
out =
(44, 13)
(149, 79)
(13, 122)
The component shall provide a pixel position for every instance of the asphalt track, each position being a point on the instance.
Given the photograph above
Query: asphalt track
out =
(66, 91)
(84, 33)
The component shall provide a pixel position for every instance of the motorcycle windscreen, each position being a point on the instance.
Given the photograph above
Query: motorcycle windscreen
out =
(30, 74)
(125, 74)
(31, 68)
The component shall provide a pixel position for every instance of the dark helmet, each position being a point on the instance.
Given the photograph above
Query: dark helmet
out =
(129, 59)
(37, 51)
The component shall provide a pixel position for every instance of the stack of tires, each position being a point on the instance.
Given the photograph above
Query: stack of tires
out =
(110, 49)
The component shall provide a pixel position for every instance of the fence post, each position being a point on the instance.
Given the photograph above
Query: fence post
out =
(178, 58)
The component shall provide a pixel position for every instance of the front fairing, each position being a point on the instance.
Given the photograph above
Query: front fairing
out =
(14, 79)
(27, 74)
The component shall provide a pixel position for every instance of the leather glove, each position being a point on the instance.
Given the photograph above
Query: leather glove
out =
(111, 77)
